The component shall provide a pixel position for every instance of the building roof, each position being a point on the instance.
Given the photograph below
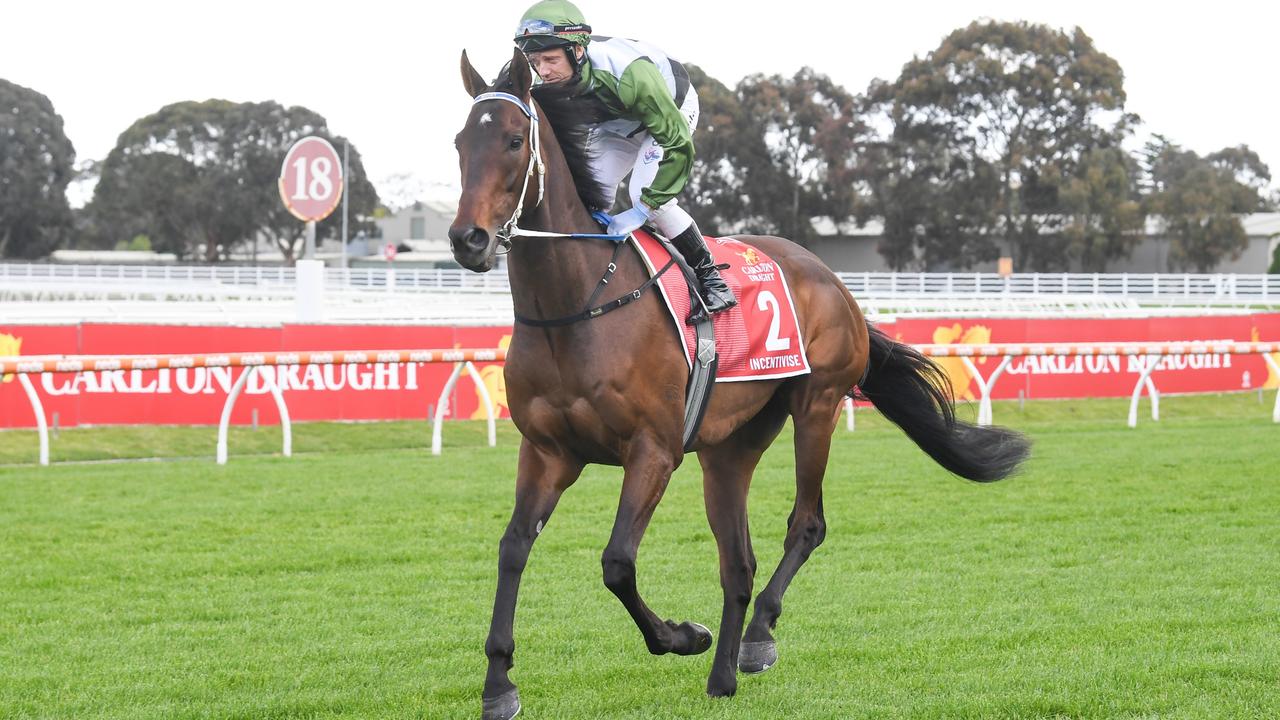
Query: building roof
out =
(1265, 224)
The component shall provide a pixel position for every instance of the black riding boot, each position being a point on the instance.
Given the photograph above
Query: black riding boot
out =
(715, 293)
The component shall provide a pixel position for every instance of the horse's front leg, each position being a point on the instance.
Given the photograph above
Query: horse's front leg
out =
(648, 468)
(541, 478)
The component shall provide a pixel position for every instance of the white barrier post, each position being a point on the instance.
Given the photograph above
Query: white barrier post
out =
(285, 425)
(985, 385)
(38, 408)
(226, 413)
(488, 403)
(441, 403)
(1275, 412)
(1144, 380)
(437, 424)
(848, 412)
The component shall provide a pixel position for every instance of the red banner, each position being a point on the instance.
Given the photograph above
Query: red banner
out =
(1064, 376)
(195, 396)
(374, 391)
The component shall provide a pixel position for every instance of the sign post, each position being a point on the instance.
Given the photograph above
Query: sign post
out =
(311, 186)
(389, 252)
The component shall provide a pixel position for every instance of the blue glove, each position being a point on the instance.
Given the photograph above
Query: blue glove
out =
(624, 223)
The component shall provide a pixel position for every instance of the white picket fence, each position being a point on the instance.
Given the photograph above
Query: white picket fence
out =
(1158, 287)
(35, 293)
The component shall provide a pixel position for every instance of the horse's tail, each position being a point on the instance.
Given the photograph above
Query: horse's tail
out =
(913, 392)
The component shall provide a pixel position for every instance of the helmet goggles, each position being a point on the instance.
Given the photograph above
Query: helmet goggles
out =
(537, 26)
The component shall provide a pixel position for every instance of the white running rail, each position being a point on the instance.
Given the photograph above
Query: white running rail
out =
(463, 360)
(26, 366)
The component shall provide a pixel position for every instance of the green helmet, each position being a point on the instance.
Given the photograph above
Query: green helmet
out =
(552, 24)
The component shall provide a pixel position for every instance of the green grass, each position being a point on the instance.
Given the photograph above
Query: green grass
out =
(1126, 573)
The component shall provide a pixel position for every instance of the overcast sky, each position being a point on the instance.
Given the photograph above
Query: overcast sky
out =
(385, 74)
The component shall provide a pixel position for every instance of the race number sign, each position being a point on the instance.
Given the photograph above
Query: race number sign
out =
(311, 179)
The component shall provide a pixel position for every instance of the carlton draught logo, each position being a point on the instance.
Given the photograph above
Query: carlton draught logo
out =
(957, 373)
(750, 257)
(10, 346)
(496, 384)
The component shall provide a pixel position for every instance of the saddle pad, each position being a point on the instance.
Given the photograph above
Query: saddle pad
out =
(757, 340)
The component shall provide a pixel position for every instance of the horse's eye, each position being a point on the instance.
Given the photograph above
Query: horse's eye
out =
(515, 143)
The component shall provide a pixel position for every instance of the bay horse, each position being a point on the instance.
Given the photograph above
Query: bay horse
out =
(611, 389)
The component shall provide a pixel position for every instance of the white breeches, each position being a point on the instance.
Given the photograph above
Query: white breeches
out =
(612, 155)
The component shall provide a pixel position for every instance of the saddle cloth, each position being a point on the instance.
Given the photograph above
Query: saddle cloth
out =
(759, 339)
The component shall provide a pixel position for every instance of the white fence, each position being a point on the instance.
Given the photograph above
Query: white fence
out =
(33, 293)
(1146, 287)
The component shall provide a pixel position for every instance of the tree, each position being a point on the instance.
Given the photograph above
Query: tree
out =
(1199, 200)
(932, 191)
(1250, 173)
(732, 165)
(810, 128)
(1024, 100)
(1103, 209)
(36, 161)
(199, 178)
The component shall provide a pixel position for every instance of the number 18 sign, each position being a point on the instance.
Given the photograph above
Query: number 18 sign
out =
(311, 179)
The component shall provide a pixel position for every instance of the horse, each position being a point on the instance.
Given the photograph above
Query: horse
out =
(610, 389)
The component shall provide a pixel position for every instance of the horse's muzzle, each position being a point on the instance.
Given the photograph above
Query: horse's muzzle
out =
(472, 247)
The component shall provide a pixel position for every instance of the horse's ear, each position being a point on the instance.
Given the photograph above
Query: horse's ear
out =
(472, 80)
(521, 75)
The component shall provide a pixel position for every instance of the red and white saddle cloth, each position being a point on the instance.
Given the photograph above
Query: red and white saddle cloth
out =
(757, 340)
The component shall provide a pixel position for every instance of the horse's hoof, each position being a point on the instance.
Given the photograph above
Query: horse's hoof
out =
(722, 691)
(756, 657)
(700, 640)
(503, 707)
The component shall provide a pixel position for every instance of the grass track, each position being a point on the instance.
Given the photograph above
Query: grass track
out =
(1127, 573)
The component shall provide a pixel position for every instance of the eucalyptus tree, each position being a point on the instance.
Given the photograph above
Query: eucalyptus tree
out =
(200, 178)
(36, 160)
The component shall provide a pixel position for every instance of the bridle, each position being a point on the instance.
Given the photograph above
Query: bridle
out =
(509, 228)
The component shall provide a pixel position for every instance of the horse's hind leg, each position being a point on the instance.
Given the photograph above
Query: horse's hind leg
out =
(541, 479)
(806, 528)
(647, 471)
(726, 478)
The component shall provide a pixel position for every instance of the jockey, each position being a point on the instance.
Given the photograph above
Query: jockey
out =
(650, 110)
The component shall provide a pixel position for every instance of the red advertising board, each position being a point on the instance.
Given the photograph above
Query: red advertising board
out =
(195, 396)
(376, 391)
(1100, 376)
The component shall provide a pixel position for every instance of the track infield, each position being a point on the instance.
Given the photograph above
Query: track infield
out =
(1125, 574)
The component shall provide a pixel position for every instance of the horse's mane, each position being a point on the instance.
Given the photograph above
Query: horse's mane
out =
(570, 117)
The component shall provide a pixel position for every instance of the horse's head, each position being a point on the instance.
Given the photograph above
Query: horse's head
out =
(495, 152)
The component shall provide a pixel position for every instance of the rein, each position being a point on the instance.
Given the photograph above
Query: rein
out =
(510, 229)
